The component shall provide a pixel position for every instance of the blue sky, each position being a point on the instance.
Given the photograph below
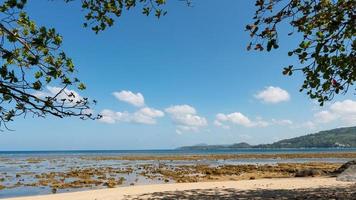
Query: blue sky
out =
(181, 80)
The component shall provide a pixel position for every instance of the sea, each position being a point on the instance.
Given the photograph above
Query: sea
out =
(170, 152)
(18, 169)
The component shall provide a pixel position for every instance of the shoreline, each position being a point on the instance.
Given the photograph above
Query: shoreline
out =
(224, 156)
(189, 154)
(144, 191)
(39, 175)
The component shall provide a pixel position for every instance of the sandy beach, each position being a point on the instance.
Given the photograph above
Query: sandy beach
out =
(276, 187)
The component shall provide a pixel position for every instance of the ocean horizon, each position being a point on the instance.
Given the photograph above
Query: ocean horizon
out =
(27, 153)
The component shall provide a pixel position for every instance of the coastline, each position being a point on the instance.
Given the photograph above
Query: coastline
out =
(229, 156)
(36, 174)
(146, 191)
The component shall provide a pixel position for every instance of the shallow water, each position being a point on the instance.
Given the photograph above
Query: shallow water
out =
(168, 152)
(20, 168)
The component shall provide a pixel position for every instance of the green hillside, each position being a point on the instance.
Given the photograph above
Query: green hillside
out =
(340, 137)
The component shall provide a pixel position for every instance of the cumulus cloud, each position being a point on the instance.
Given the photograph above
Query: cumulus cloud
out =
(324, 116)
(129, 97)
(235, 118)
(343, 111)
(186, 119)
(239, 119)
(109, 116)
(346, 107)
(181, 110)
(71, 96)
(145, 115)
(273, 95)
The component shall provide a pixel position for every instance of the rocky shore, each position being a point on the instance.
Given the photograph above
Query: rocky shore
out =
(53, 175)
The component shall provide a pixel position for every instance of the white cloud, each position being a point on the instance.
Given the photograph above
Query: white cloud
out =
(109, 116)
(273, 95)
(324, 116)
(145, 115)
(340, 113)
(344, 107)
(71, 97)
(343, 111)
(186, 119)
(239, 119)
(261, 123)
(350, 120)
(129, 97)
(282, 122)
(220, 124)
(181, 110)
(235, 118)
(88, 111)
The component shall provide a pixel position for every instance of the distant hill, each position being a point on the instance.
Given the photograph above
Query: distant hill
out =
(340, 137)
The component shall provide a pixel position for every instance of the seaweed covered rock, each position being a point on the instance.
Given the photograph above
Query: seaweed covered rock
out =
(345, 166)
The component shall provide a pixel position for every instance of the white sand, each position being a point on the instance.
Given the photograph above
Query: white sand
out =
(121, 192)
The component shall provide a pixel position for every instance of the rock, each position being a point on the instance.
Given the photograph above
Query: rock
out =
(110, 184)
(309, 172)
(345, 166)
(348, 175)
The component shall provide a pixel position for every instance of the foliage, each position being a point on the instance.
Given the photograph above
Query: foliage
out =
(101, 14)
(341, 137)
(327, 51)
(31, 59)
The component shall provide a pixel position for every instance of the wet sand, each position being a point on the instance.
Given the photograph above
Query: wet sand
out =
(276, 188)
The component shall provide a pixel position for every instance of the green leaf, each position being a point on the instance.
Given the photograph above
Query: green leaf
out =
(38, 74)
(81, 86)
(37, 85)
